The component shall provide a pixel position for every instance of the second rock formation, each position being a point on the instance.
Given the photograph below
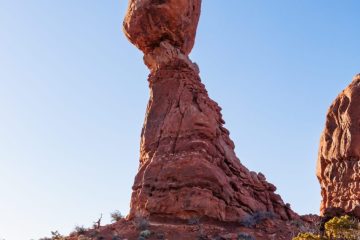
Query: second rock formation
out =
(338, 167)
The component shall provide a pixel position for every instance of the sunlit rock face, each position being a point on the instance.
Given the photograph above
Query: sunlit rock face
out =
(150, 22)
(338, 166)
(188, 167)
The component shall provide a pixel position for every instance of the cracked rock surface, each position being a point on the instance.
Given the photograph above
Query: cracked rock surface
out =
(188, 167)
(338, 166)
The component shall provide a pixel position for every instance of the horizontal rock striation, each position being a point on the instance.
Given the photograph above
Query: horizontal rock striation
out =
(188, 167)
(338, 166)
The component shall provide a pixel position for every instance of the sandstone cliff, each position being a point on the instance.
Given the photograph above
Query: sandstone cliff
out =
(338, 166)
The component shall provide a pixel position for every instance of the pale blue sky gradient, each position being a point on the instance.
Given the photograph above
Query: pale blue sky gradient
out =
(73, 93)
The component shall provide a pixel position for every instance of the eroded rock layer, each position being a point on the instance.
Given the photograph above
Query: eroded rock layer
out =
(188, 167)
(338, 166)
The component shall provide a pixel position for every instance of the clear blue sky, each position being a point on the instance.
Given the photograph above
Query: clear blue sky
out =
(73, 93)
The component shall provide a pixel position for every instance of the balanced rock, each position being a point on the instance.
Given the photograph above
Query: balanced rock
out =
(188, 167)
(149, 22)
(338, 166)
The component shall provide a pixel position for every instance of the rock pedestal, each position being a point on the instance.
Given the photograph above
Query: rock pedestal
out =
(338, 166)
(188, 167)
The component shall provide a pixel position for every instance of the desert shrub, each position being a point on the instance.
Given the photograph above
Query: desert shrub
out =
(304, 227)
(343, 227)
(307, 236)
(93, 233)
(145, 234)
(56, 235)
(244, 236)
(79, 230)
(337, 228)
(141, 223)
(116, 216)
(296, 223)
(82, 237)
(256, 218)
(160, 236)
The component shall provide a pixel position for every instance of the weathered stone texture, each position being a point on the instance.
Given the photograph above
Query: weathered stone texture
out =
(188, 167)
(338, 167)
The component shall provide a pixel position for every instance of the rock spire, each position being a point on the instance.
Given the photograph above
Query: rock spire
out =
(188, 167)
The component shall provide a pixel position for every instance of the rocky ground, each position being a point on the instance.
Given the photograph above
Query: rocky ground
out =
(261, 227)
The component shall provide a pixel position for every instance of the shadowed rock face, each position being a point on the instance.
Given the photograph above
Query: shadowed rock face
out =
(338, 166)
(188, 167)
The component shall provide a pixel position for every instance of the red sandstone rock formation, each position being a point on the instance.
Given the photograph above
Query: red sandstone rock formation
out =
(188, 167)
(338, 166)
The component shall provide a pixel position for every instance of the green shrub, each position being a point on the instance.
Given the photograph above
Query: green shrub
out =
(79, 230)
(82, 237)
(145, 234)
(337, 228)
(343, 227)
(141, 223)
(307, 236)
(256, 218)
(56, 235)
(116, 216)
